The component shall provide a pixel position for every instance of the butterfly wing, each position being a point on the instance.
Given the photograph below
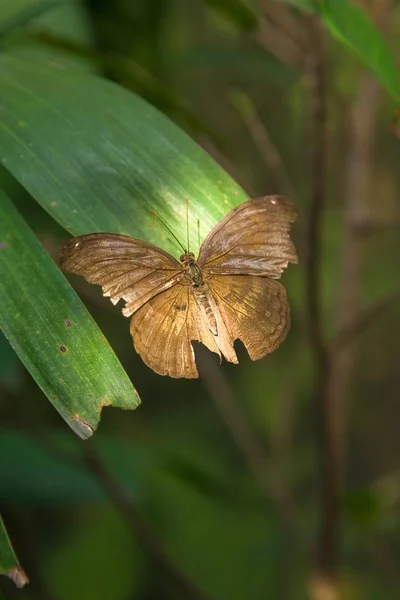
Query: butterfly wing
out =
(163, 328)
(252, 239)
(166, 317)
(241, 258)
(250, 308)
(253, 309)
(125, 267)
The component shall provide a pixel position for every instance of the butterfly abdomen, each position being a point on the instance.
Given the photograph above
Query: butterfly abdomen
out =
(203, 302)
(194, 274)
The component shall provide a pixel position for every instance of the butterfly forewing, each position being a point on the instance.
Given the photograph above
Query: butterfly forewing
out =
(125, 267)
(252, 239)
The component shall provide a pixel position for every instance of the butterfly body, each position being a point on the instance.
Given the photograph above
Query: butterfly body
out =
(191, 268)
(228, 293)
(201, 293)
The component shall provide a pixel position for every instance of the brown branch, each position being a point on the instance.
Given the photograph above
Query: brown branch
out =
(326, 551)
(347, 334)
(264, 472)
(370, 223)
(358, 177)
(287, 21)
(318, 160)
(278, 43)
(273, 161)
(357, 184)
(139, 526)
(335, 368)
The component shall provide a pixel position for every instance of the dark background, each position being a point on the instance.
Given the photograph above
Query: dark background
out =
(275, 479)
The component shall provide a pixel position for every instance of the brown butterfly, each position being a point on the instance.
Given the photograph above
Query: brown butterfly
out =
(228, 293)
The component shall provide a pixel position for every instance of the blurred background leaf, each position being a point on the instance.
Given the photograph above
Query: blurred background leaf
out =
(237, 12)
(15, 14)
(352, 27)
(9, 565)
(307, 5)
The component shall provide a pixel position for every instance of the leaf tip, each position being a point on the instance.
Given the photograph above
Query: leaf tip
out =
(81, 427)
(17, 575)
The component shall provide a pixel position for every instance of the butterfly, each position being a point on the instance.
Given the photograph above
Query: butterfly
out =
(230, 292)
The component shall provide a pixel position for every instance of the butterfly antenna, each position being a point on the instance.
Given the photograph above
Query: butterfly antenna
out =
(153, 212)
(198, 232)
(187, 224)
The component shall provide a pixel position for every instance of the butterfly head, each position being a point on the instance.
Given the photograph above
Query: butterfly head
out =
(187, 259)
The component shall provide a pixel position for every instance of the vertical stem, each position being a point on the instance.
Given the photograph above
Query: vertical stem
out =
(264, 471)
(335, 365)
(329, 513)
(362, 125)
(140, 528)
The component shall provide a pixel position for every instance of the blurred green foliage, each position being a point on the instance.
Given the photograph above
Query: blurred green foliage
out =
(174, 456)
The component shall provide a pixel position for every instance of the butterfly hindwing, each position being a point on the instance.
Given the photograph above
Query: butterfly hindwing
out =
(163, 329)
(254, 309)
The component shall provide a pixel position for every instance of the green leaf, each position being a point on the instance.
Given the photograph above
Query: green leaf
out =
(52, 332)
(350, 25)
(9, 564)
(98, 158)
(64, 20)
(240, 65)
(16, 13)
(84, 567)
(238, 12)
(306, 5)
